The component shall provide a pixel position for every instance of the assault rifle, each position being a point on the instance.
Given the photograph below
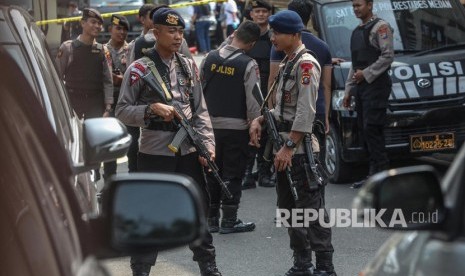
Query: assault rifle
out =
(185, 130)
(273, 134)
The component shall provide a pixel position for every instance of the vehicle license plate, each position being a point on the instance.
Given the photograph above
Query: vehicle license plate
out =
(432, 142)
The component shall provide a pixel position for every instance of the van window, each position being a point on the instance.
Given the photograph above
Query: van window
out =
(418, 25)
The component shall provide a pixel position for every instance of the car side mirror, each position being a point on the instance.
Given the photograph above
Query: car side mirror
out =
(104, 139)
(158, 211)
(408, 198)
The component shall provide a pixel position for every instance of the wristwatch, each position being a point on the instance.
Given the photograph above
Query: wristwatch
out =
(290, 144)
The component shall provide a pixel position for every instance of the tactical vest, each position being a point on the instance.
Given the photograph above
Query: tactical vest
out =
(85, 72)
(226, 85)
(141, 45)
(261, 53)
(363, 53)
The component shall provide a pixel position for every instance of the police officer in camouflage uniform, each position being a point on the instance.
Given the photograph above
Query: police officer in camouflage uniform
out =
(139, 106)
(369, 82)
(260, 12)
(229, 77)
(116, 48)
(296, 95)
(86, 70)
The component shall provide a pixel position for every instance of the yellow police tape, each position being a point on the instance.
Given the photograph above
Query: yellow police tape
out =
(129, 12)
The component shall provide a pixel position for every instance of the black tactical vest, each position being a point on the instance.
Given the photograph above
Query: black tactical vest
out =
(363, 53)
(261, 53)
(226, 85)
(141, 45)
(85, 72)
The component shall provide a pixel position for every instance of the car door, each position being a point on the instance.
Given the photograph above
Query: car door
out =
(38, 233)
(51, 93)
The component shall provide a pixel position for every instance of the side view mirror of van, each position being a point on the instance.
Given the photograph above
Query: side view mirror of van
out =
(142, 212)
(104, 139)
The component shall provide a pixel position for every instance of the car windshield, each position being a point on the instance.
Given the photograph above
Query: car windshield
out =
(418, 25)
(100, 3)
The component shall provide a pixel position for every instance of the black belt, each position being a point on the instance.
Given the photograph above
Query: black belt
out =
(284, 126)
(164, 126)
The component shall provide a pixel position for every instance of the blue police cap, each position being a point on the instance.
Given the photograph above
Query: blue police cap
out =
(286, 22)
(168, 17)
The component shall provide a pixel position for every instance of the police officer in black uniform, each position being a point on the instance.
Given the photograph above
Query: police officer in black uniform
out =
(229, 77)
(141, 106)
(86, 70)
(260, 11)
(369, 82)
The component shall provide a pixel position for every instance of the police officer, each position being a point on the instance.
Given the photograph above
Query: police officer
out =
(116, 49)
(71, 30)
(138, 104)
(144, 17)
(229, 77)
(260, 12)
(368, 81)
(147, 42)
(85, 69)
(296, 94)
(322, 54)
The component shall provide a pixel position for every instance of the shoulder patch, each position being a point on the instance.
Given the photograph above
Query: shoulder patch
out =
(137, 71)
(306, 66)
(383, 31)
(305, 80)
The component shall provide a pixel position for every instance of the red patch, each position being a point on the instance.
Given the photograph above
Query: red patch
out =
(383, 32)
(287, 96)
(139, 66)
(306, 66)
(134, 77)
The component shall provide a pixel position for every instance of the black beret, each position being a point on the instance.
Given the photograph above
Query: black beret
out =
(91, 13)
(157, 8)
(261, 4)
(119, 20)
(168, 17)
(286, 22)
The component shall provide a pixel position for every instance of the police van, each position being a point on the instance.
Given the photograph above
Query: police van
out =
(426, 112)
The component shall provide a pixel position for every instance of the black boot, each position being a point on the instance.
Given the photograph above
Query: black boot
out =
(141, 269)
(214, 218)
(302, 264)
(208, 268)
(265, 175)
(248, 182)
(230, 223)
(324, 264)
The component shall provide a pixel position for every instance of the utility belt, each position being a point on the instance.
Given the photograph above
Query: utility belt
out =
(284, 126)
(163, 126)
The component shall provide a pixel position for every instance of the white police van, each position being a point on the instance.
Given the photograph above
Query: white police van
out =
(426, 111)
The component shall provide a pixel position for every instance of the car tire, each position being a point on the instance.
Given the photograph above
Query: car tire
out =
(338, 170)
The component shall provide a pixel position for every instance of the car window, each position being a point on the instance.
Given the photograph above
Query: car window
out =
(52, 93)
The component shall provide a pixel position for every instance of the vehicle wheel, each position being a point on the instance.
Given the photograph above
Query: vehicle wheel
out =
(338, 170)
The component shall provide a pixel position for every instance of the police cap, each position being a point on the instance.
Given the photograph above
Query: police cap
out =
(286, 22)
(261, 4)
(91, 13)
(119, 20)
(168, 17)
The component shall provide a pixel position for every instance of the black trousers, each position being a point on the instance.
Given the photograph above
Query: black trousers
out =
(371, 103)
(133, 148)
(315, 237)
(231, 158)
(188, 165)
